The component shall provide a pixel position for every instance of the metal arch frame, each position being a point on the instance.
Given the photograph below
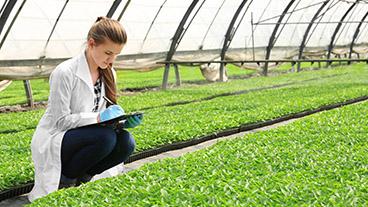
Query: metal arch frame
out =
(113, 8)
(3, 6)
(331, 45)
(11, 24)
(174, 42)
(150, 27)
(229, 36)
(364, 29)
(302, 45)
(209, 27)
(356, 33)
(124, 9)
(299, 21)
(287, 20)
(348, 24)
(320, 17)
(180, 30)
(272, 38)
(190, 22)
(53, 28)
(5, 15)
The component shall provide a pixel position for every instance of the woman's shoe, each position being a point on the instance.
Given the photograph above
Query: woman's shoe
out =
(83, 179)
(66, 182)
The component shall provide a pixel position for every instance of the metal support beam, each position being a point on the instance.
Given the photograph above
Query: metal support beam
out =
(150, 27)
(296, 10)
(124, 9)
(331, 45)
(209, 27)
(5, 15)
(302, 45)
(175, 41)
(262, 61)
(177, 75)
(320, 17)
(166, 76)
(11, 24)
(3, 19)
(3, 6)
(301, 23)
(53, 28)
(228, 37)
(356, 33)
(113, 8)
(273, 35)
(28, 89)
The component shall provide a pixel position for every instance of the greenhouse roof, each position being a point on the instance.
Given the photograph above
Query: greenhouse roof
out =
(38, 29)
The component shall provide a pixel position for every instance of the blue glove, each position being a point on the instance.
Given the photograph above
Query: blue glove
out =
(111, 112)
(133, 121)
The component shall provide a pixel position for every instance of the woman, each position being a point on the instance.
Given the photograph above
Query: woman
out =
(63, 154)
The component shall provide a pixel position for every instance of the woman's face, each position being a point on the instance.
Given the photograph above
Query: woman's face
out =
(105, 53)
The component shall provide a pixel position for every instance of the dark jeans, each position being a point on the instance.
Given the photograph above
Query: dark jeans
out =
(92, 150)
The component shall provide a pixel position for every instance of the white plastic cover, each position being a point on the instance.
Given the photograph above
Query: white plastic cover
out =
(148, 33)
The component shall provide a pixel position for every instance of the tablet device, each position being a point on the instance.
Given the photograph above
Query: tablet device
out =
(114, 121)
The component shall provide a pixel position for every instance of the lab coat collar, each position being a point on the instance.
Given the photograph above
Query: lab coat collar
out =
(84, 74)
(83, 71)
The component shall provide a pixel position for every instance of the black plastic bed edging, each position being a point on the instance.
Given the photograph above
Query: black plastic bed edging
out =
(16, 191)
(26, 188)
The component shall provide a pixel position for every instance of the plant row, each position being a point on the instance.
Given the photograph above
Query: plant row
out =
(14, 122)
(194, 93)
(319, 160)
(172, 124)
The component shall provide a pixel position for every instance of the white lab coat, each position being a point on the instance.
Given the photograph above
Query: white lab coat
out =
(70, 105)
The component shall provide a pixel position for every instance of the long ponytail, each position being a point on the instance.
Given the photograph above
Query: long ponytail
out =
(106, 28)
(110, 85)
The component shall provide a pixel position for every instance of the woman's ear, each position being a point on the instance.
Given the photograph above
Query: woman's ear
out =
(91, 43)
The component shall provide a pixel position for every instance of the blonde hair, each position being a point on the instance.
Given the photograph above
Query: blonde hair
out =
(106, 28)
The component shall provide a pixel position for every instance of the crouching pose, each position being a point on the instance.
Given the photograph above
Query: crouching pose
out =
(63, 154)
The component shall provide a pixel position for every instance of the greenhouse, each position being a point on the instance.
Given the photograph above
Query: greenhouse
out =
(183, 103)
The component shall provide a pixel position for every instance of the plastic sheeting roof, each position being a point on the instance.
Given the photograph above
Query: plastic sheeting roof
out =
(151, 24)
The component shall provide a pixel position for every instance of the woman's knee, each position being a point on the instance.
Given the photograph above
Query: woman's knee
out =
(107, 139)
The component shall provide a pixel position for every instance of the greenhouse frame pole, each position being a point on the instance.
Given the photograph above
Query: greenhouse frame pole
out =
(3, 19)
(174, 42)
(229, 36)
(209, 27)
(113, 8)
(124, 9)
(11, 24)
(320, 17)
(272, 38)
(28, 88)
(302, 45)
(356, 33)
(3, 6)
(53, 28)
(150, 27)
(5, 15)
(190, 22)
(363, 31)
(331, 45)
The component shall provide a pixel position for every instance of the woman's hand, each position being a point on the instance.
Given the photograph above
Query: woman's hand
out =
(111, 112)
(133, 121)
